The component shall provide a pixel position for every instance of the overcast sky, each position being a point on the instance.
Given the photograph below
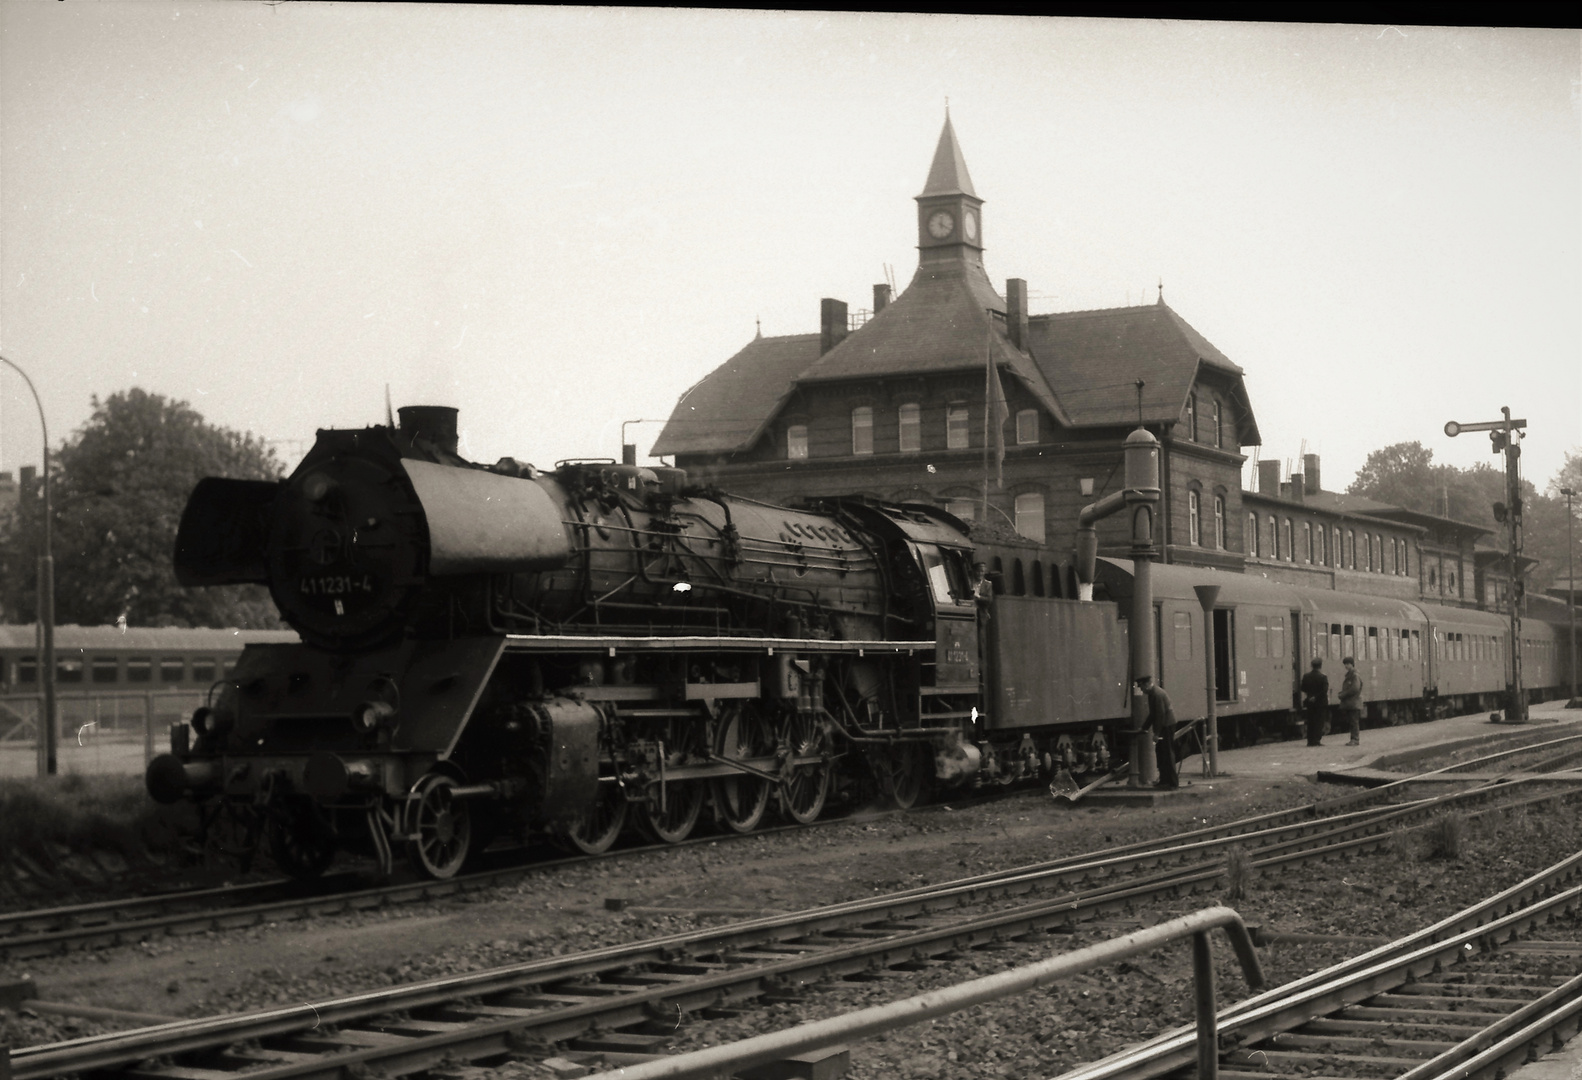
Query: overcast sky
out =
(559, 219)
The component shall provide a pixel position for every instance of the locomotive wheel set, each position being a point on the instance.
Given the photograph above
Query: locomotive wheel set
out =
(490, 649)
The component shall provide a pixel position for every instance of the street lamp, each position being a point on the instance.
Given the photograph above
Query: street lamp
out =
(46, 600)
(1571, 602)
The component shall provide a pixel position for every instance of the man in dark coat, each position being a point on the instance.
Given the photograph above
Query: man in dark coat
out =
(1162, 721)
(1351, 698)
(1315, 700)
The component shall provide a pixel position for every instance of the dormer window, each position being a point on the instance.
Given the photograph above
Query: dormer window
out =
(1219, 433)
(796, 441)
(1191, 417)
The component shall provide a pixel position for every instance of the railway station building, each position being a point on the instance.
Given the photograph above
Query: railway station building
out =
(893, 402)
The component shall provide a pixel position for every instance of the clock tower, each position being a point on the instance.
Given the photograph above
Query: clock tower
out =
(949, 212)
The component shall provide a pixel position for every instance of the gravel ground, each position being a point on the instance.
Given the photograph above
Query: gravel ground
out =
(551, 914)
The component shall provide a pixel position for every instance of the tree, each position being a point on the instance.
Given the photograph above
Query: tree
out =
(118, 488)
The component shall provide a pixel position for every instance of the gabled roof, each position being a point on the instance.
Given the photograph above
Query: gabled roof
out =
(1093, 359)
(727, 409)
(1342, 503)
(1418, 517)
(948, 174)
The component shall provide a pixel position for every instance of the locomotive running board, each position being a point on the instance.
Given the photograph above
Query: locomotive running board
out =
(768, 646)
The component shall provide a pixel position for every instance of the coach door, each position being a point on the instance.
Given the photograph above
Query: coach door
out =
(1301, 646)
(1224, 654)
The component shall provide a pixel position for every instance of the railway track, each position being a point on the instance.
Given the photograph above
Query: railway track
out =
(109, 923)
(619, 1001)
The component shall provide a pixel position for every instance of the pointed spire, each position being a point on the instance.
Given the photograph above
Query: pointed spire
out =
(948, 174)
(760, 324)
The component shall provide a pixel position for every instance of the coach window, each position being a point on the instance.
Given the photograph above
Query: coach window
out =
(68, 669)
(1191, 417)
(1277, 635)
(1026, 427)
(1373, 643)
(1334, 641)
(1219, 522)
(1219, 436)
(862, 430)
(1348, 642)
(1030, 516)
(1195, 518)
(203, 670)
(796, 441)
(1252, 535)
(106, 669)
(1290, 549)
(139, 669)
(910, 421)
(172, 669)
(27, 669)
(1183, 635)
(1260, 635)
(955, 427)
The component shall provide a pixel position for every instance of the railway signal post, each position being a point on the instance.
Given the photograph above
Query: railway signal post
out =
(1506, 436)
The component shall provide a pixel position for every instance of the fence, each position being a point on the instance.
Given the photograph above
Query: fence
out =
(96, 732)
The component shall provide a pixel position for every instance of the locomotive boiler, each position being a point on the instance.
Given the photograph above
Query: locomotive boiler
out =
(498, 647)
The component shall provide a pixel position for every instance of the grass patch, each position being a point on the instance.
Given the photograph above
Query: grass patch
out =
(1447, 836)
(1238, 873)
(45, 821)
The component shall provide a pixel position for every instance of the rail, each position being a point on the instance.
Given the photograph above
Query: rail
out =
(832, 1031)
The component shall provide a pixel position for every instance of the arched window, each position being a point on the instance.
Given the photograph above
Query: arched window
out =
(1191, 417)
(1273, 551)
(1290, 552)
(1321, 555)
(862, 430)
(1219, 432)
(998, 567)
(1307, 541)
(1038, 577)
(1389, 562)
(1252, 535)
(1337, 555)
(1194, 518)
(1030, 516)
(1026, 427)
(1367, 552)
(1219, 522)
(1018, 579)
(965, 509)
(796, 441)
(1351, 544)
(911, 424)
(1406, 558)
(955, 427)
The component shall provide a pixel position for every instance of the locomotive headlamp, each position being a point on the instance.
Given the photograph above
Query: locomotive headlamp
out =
(317, 486)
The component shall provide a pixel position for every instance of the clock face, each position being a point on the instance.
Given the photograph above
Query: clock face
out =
(941, 225)
(969, 225)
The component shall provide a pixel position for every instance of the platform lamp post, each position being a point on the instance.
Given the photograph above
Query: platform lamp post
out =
(47, 760)
(1206, 595)
(1504, 435)
(1571, 600)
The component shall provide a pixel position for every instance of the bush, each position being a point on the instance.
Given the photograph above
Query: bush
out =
(1447, 836)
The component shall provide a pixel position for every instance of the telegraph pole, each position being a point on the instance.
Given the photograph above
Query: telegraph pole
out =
(1571, 601)
(1506, 436)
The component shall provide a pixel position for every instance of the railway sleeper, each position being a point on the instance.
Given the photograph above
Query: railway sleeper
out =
(1352, 1025)
(1361, 1045)
(1306, 1059)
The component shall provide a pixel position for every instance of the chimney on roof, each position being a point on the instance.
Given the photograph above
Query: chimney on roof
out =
(1016, 311)
(1298, 488)
(1269, 478)
(881, 297)
(831, 324)
(1310, 471)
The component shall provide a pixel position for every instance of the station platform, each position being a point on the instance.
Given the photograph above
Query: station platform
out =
(1384, 755)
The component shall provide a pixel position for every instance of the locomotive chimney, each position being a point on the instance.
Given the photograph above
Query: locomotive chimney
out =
(1269, 478)
(831, 324)
(436, 423)
(1310, 468)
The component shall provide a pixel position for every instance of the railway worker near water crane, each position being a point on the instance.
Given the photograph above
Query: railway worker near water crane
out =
(1162, 719)
(1351, 699)
(1315, 694)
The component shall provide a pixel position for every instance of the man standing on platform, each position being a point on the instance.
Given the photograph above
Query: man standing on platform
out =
(1315, 694)
(1351, 699)
(1162, 720)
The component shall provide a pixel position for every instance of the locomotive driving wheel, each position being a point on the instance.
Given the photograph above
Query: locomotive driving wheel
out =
(803, 736)
(672, 809)
(439, 827)
(596, 830)
(741, 799)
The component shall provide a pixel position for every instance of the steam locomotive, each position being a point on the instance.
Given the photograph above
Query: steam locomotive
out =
(490, 648)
